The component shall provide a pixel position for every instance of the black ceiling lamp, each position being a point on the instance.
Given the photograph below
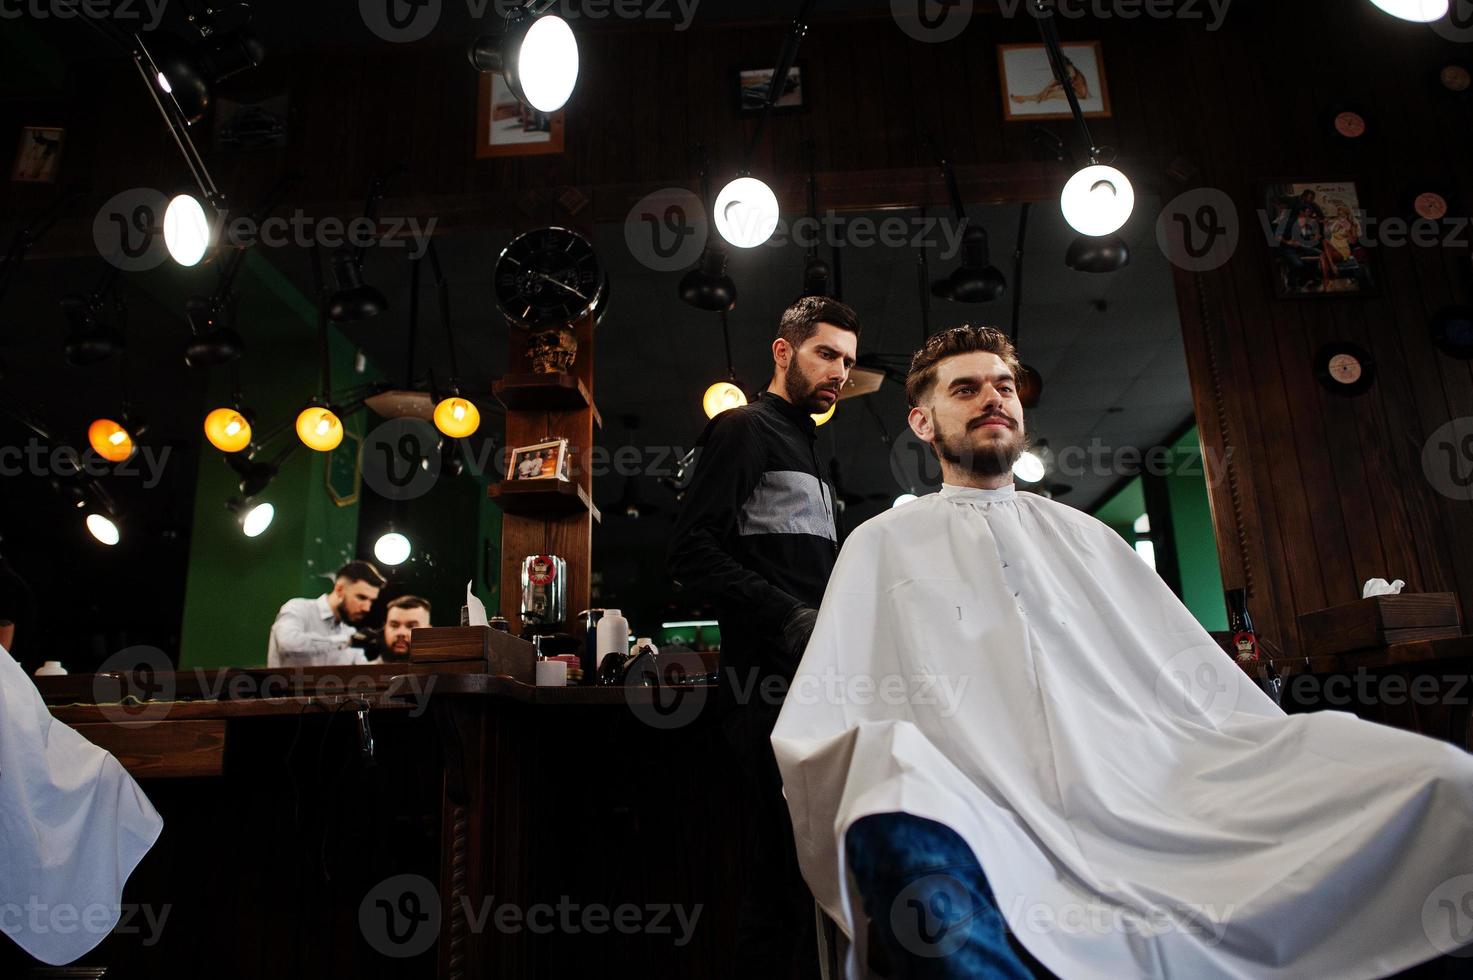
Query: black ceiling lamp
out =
(353, 300)
(214, 339)
(91, 338)
(707, 286)
(818, 276)
(536, 52)
(976, 280)
(188, 71)
(1109, 253)
(24, 240)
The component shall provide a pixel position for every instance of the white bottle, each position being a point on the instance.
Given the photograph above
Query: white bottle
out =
(613, 635)
(643, 643)
(51, 668)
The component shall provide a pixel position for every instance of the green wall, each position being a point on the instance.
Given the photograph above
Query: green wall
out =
(1191, 523)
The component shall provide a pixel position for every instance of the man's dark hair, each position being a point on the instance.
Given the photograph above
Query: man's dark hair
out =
(411, 602)
(362, 571)
(800, 321)
(948, 343)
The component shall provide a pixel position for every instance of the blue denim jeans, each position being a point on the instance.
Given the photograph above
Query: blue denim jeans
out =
(928, 902)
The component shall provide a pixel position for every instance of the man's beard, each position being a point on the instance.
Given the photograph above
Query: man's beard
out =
(803, 390)
(994, 459)
(399, 645)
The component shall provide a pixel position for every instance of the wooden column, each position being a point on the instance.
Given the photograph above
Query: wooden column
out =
(538, 520)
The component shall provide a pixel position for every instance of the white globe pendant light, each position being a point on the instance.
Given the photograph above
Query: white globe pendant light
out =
(1417, 11)
(256, 520)
(103, 529)
(1029, 468)
(186, 230)
(1098, 200)
(547, 63)
(746, 212)
(392, 549)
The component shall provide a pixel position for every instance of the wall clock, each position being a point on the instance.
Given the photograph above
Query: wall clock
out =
(1344, 369)
(550, 277)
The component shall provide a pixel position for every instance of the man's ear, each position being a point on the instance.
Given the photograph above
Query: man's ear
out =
(920, 424)
(782, 352)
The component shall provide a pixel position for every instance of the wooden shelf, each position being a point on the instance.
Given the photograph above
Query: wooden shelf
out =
(559, 392)
(546, 498)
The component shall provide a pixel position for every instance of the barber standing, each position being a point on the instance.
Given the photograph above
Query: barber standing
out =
(319, 632)
(757, 537)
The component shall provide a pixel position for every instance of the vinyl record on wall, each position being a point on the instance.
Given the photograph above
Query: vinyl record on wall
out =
(1452, 331)
(1350, 122)
(1344, 369)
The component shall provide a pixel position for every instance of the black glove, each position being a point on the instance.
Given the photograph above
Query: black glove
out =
(797, 628)
(371, 642)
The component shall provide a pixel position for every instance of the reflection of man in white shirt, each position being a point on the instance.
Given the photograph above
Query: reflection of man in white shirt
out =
(319, 632)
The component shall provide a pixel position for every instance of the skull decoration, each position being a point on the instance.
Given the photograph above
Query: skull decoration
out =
(552, 351)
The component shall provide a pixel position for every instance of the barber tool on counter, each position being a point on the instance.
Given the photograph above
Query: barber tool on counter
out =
(544, 591)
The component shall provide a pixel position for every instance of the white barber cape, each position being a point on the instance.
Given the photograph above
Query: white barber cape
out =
(73, 826)
(1008, 666)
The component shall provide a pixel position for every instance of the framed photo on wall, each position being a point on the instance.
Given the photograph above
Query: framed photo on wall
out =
(1315, 229)
(1030, 90)
(38, 157)
(507, 128)
(752, 85)
(544, 461)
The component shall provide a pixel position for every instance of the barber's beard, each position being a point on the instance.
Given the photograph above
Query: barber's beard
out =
(991, 459)
(802, 390)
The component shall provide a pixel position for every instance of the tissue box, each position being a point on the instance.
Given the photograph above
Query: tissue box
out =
(1380, 620)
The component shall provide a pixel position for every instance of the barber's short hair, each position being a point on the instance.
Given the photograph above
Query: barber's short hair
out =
(362, 571)
(800, 321)
(965, 339)
(411, 602)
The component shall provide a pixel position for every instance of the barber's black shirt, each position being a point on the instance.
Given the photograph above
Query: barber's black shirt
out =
(18, 606)
(757, 535)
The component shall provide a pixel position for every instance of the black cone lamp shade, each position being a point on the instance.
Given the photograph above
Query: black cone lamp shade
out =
(707, 286)
(976, 280)
(818, 278)
(213, 342)
(1097, 255)
(189, 73)
(354, 300)
(88, 341)
(254, 475)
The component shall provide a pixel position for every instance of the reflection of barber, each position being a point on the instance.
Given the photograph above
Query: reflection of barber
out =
(319, 632)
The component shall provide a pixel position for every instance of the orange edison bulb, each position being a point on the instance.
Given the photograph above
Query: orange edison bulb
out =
(227, 430)
(319, 428)
(110, 440)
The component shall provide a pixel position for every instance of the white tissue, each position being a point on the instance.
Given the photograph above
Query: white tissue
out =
(1379, 586)
(476, 607)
